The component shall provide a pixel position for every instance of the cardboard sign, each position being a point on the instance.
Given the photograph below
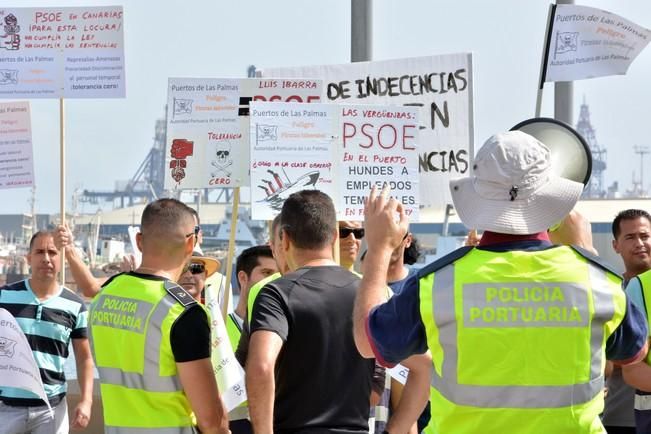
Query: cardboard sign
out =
(208, 127)
(440, 87)
(62, 52)
(18, 368)
(16, 162)
(585, 42)
(342, 150)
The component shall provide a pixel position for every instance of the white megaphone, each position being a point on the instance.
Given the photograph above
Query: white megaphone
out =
(571, 156)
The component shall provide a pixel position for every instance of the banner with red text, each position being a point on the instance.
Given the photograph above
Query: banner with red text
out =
(208, 126)
(75, 52)
(440, 87)
(585, 42)
(16, 154)
(343, 150)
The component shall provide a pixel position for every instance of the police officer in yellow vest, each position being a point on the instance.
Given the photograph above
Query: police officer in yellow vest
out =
(519, 329)
(151, 339)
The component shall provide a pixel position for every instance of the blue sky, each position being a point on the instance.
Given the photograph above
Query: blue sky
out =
(108, 139)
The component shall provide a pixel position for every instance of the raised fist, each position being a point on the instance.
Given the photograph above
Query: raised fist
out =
(181, 148)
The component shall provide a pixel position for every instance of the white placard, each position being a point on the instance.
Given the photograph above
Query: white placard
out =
(16, 161)
(17, 365)
(62, 52)
(441, 87)
(228, 372)
(292, 148)
(208, 127)
(399, 373)
(342, 150)
(585, 42)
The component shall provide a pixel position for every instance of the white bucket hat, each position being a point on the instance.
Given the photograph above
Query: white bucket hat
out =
(513, 189)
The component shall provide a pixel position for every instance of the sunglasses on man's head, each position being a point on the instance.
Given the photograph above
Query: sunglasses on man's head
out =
(358, 232)
(196, 231)
(195, 268)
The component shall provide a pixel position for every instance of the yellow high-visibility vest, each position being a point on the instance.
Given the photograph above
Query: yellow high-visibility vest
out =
(130, 323)
(518, 340)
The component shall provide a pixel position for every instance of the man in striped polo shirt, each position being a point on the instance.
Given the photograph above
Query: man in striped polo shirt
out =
(50, 316)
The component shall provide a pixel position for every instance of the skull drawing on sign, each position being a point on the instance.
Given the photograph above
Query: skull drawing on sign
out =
(223, 152)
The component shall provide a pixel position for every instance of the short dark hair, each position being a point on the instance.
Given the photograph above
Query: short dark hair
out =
(412, 253)
(249, 258)
(165, 215)
(628, 214)
(40, 233)
(309, 219)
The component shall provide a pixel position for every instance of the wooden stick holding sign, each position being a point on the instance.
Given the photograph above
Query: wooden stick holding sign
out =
(62, 182)
(231, 252)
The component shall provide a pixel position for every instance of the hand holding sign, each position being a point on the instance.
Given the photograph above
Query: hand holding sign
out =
(382, 229)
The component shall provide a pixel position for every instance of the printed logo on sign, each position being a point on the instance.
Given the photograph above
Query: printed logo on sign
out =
(121, 313)
(565, 42)
(266, 132)
(525, 304)
(182, 106)
(8, 76)
(7, 347)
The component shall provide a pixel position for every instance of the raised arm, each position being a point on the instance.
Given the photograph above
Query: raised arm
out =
(383, 235)
(80, 272)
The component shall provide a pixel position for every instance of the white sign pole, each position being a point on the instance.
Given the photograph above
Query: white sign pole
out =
(62, 182)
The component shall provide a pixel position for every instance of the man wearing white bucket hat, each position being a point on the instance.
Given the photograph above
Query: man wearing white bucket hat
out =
(519, 329)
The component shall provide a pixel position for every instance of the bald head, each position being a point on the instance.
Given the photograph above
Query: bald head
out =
(165, 226)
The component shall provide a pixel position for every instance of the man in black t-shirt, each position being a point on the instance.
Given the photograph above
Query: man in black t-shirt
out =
(303, 371)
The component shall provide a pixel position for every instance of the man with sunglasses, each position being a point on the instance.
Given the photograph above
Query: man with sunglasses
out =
(350, 242)
(151, 339)
(196, 273)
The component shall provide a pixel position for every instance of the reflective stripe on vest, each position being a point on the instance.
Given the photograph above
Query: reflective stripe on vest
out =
(510, 396)
(149, 380)
(642, 402)
(125, 430)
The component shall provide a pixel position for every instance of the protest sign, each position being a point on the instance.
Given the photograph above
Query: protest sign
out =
(584, 42)
(16, 162)
(292, 148)
(228, 372)
(342, 150)
(62, 52)
(208, 127)
(18, 368)
(378, 145)
(441, 87)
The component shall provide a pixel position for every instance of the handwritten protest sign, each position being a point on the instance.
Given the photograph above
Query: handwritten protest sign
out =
(342, 150)
(208, 127)
(378, 145)
(18, 368)
(441, 87)
(16, 162)
(228, 372)
(585, 42)
(62, 52)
